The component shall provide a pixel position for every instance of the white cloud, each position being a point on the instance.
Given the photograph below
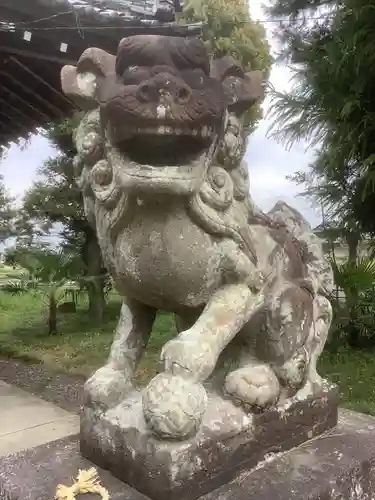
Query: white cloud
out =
(269, 162)
(20, 166)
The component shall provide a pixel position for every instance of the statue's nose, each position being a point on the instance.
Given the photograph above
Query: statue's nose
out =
(164, 90)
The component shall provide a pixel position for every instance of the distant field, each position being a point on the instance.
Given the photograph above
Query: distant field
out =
(10, 275)
(10, 272)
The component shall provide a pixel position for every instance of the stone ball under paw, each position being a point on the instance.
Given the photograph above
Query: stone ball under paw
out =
(173, 406)
(256, 386)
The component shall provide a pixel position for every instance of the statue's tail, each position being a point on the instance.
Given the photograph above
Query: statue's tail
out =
(319, 270)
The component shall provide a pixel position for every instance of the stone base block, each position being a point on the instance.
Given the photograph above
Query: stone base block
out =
(228, 441)
(338, 465)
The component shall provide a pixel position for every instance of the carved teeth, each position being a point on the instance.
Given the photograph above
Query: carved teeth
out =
(161, 112)
(129, 132)
(204, 131)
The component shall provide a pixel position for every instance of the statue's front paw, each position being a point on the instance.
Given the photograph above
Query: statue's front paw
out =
(255, 386)
(188, 357)
(106, 388)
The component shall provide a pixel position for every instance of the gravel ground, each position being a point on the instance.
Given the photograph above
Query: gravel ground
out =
(63, 390)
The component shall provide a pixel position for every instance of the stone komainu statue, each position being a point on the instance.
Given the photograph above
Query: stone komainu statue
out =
(160, 164)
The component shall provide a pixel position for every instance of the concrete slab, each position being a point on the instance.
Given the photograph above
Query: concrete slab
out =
(27, 421)
(339, 465)
(35, 474)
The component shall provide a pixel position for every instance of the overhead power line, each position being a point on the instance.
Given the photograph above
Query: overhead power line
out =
(16, 27)
(94, 5)
(75, 9)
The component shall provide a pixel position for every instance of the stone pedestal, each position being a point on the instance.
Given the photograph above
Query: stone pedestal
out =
(228, 441)
(338, 465)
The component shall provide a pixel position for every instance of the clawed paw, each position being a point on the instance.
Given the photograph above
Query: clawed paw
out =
(106, 388)
(292, 374)
(255, 386)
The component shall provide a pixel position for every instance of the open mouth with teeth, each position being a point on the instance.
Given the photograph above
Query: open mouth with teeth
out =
(164, 145)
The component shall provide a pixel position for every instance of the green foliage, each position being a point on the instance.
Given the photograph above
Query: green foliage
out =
(60, 134)
(332, 190)
(355, 277)
(354, 308)
(332, 102)
(352, 371)
(83, 345)
(26, 258)
(231, 31)
(52, 275)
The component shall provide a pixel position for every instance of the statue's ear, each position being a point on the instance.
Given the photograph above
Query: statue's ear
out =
(242, 89)
(81, 83)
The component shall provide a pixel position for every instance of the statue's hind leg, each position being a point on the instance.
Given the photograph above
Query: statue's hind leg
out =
(253, 383)
(315, 345)
(275, 356)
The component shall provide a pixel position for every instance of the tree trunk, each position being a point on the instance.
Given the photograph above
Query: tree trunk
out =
(52, 314)
(352, 240)
(354, 340)
(95, 270)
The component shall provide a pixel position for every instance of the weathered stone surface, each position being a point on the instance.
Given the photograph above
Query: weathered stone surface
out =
(229, 440)
(339, 465)
(35, 474)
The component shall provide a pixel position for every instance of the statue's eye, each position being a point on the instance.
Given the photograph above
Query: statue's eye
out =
(194, 78)
(133, 75)
(130, 71)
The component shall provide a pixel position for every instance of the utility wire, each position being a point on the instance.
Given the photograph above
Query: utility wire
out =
(17, 27)
(93, 5)
(74, 9)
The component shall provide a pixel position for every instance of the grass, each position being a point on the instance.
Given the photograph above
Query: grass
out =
(354, 372)
(82, 346)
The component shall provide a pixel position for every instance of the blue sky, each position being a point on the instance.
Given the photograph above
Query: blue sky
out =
(269, 163)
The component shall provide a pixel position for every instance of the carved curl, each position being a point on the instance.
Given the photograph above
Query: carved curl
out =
(242, 91)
